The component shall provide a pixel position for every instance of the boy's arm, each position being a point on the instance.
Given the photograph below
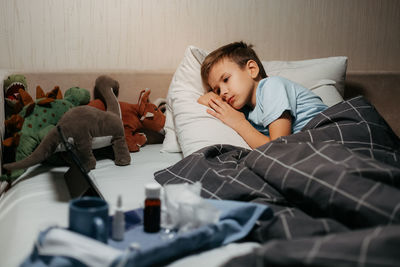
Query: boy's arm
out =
(237, 121)
(281, 126)
(205, 99)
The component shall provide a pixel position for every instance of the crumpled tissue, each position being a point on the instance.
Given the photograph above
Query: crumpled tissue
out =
(184, 209)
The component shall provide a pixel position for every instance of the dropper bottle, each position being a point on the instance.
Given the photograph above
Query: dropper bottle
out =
(118, 223)
(152, 208)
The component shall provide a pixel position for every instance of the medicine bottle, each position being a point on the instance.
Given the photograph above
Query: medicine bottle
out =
(152, 208)
(118, 222)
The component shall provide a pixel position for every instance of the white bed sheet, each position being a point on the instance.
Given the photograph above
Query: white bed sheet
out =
(129, 181)
(40, 199)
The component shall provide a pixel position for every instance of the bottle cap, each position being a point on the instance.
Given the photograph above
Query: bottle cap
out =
(119, 201)
(153, 190)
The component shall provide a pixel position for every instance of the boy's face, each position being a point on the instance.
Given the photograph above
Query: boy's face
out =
(236, 86)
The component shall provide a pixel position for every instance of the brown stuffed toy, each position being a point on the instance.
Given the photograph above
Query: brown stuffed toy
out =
(83, 124)
(142, 121)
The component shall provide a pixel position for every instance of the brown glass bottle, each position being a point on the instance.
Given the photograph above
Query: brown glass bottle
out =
(152, 208)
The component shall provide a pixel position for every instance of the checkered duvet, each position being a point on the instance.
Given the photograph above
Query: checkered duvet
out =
(334, 189)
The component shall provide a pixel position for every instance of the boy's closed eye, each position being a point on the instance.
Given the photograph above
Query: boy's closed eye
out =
(216, 91)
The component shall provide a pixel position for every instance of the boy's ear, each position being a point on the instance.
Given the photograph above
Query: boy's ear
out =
(253, 68)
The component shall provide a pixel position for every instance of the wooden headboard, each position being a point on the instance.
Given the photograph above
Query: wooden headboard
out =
(382, 90)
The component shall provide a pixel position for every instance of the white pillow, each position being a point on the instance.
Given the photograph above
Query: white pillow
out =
(310, 72)
(194, 127)
(170, 143)
(327, 91)
(324, 76)
(189, 128)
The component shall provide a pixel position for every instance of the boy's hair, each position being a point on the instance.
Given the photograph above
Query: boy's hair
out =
(238, 52)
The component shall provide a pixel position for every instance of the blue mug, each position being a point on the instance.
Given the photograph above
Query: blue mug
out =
(89, 216)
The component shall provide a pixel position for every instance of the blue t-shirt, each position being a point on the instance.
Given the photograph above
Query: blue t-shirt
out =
(275, 95)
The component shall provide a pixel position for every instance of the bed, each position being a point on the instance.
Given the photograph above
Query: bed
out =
(308, 227)
(40, 199)
(334, 189)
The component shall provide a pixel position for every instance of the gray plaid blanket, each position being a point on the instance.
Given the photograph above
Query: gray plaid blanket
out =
(334, 188)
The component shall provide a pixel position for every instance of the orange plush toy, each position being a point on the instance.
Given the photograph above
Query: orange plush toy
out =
(143, 117)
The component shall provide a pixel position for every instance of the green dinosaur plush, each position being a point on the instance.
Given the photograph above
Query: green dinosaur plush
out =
(11, 87)
(40, 117)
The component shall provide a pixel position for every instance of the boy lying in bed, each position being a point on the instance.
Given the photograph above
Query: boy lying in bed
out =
(272, 106)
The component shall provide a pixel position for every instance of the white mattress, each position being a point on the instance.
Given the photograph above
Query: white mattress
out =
(29, 206)
(129, 181)
(40, 199)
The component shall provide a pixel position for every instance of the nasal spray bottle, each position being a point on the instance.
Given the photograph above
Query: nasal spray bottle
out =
(118, 223)
(152, 208)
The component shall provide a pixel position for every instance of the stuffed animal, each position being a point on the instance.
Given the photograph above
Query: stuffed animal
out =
(82, 124)
(141, 120)
(11, 87)
(27, 128)
(15, 123)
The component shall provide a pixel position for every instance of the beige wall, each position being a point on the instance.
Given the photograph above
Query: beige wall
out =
(152, 34)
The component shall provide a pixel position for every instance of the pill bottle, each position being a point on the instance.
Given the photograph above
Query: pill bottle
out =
(152, 208)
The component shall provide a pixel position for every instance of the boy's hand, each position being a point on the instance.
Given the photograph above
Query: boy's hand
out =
(226, 113)
(205, 99)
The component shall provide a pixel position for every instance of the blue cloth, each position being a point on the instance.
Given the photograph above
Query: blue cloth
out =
(236, 221)
(275, 95)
